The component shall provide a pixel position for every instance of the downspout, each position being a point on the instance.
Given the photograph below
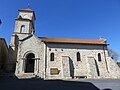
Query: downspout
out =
(45, 58)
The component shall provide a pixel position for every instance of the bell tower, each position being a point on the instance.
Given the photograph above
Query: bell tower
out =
(24, 27)
(25, 22)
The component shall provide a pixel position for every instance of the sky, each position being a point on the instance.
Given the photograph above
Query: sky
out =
(82, 19)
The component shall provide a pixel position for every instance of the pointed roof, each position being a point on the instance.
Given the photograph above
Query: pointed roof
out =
(75, 41)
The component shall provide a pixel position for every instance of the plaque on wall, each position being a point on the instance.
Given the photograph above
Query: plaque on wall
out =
(54, 71)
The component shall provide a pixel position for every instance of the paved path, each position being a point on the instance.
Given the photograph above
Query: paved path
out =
(37, 84)
(104, 84)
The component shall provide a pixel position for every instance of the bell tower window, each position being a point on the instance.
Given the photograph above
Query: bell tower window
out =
(22, 29)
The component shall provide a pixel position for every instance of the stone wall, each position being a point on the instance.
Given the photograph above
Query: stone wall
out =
(80, 68)
(114, 69)
(65, 64)
(31, 45)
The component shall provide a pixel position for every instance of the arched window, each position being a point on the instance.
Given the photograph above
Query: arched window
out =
(22, 29)
(52, 57)
(78, 56)
(99, 57)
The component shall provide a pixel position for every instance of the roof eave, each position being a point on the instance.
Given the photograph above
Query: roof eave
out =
(76, 43)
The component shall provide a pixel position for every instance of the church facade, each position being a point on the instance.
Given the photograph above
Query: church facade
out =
(56, 58)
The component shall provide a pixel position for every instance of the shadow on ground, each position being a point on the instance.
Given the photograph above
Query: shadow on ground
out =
(38, 84)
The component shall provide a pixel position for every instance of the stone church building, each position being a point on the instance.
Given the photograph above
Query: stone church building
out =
(56, 58)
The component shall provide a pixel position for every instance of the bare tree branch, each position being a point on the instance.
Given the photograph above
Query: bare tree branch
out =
(113, 54)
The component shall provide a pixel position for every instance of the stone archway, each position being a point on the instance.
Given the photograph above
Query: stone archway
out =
(30, 63)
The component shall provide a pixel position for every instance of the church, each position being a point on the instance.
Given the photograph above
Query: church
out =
(56, 58)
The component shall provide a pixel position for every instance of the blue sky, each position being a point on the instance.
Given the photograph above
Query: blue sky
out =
(85, 19)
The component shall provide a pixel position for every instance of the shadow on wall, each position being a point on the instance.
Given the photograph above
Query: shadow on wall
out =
(97, 68)
(71, 68)
(11, 64)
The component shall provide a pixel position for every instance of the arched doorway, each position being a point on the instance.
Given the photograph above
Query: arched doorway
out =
(29, 63)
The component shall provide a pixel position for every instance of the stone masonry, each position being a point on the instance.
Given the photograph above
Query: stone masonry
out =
(47, 58)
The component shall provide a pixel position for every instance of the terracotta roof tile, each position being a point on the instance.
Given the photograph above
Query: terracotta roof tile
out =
(77, 41)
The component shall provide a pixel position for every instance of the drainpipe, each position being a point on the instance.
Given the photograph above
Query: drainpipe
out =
(45, 58)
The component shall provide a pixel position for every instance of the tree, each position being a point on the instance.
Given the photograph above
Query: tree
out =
(113, 54)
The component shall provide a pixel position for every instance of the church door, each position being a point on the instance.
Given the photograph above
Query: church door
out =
(30, 61)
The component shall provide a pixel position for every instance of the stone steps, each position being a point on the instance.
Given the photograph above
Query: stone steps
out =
(27, 76)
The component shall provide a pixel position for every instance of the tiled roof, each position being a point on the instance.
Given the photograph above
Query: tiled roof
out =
(77, 41)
